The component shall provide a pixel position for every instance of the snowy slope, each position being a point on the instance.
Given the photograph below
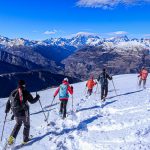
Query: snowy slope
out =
(121, 123)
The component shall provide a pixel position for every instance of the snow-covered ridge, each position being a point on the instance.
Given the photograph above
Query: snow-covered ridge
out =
(79, 40)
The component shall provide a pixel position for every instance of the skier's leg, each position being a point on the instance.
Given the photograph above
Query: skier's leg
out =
(102, 92)
(140, 81)
(90, 92)
(61, 107)
(16, 127)
(65, 108)
(26, 131)
(106, 91)
(144, 83)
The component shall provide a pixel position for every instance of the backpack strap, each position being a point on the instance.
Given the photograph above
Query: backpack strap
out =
(20, 95)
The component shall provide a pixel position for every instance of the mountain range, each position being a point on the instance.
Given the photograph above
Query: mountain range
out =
(76, 41)
(79, 56)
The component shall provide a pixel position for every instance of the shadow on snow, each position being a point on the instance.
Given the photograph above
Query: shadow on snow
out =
(81, 126)
(128, 93)
(38, 112)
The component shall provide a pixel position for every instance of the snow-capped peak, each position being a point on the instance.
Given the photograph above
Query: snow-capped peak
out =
(77, 40)
(118, 39)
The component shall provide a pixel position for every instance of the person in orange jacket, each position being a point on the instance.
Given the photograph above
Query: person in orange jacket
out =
(90, 84)
(64, 89)
(143, 76)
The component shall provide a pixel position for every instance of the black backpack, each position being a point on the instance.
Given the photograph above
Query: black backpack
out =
(15, 103)
(103, 79)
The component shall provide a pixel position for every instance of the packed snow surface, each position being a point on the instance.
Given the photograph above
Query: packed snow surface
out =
(120, 123)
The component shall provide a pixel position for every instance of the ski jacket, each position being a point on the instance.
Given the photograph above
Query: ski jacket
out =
(90, 84)
(143, 74)
(18, 102)
(64, 89)
(103, 79)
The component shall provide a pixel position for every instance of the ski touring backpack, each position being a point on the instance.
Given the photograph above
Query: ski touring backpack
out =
(12, 99)
(16, 104)
(103, 79)
(63, 91)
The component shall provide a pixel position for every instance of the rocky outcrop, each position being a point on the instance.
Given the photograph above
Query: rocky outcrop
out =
(17, 61)
(90, 61)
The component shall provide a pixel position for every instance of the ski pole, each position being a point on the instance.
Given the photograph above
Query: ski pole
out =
(114, 87)
(85, 91)
(72, 103)
(42, 109)
(96, 88)
(48, 111)
(3, 127)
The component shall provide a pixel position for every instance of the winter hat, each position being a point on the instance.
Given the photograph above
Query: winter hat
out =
(66, 79)
(104, 69)
(21, 83)
(92, 77)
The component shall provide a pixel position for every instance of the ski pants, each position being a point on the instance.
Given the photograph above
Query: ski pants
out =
(63, 107)
(104, 91)
(90, 91)
(19, 120)
(144, 82)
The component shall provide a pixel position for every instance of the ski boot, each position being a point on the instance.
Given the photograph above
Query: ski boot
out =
(11, 140)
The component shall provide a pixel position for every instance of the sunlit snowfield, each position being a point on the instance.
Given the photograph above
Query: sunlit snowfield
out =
(121, 123)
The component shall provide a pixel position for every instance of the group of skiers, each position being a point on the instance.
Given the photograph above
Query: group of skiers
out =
(103, 79)
(19, 98)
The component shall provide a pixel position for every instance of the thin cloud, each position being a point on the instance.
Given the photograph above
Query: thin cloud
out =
(50, 32)
(106, 4)
(118, 33)
(146, 35)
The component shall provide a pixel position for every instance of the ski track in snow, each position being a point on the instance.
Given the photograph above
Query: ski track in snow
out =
(122, 122)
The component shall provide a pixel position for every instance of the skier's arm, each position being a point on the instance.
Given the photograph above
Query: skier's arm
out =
(95, 83)
(140, 74)
(31, 99)
(87, 83)
(70, 89)
(109, 77)
(56, 92)
(98, 78)
(8, 106)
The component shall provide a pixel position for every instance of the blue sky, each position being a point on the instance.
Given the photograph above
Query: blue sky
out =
(42, 19)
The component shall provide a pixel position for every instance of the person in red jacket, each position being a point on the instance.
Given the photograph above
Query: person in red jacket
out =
(90, 84)
(143, 76)
(64, 89)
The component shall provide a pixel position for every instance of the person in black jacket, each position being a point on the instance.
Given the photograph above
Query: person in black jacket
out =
(103, 79)
(18, 103)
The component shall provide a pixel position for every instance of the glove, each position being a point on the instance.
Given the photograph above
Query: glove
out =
(37, 96)
(71, 87)
(54, 97)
